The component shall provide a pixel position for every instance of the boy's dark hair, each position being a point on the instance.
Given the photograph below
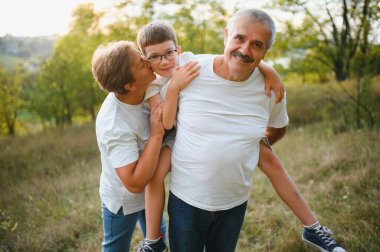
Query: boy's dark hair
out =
(155, 33)
(111, 66)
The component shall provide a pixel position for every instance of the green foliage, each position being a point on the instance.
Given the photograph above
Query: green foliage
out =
(12, 86)
(333, 102)
(336, 32)
(65, 84)
(61, 90)
(64, 88)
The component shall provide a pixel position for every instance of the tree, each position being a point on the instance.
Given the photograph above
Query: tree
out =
(65, 82)
(341, 26)
(342, 42)
(12, 83)
(199, 24)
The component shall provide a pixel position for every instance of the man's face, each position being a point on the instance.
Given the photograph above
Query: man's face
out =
(164, 58)
(245, 45)
(141, 70)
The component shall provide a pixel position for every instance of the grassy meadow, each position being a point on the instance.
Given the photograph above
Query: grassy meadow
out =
(49, 187)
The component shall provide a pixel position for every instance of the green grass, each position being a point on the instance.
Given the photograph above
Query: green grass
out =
(338, 174)
(49, 184)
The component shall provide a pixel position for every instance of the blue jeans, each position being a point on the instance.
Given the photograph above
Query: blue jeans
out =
(192, 229)
(118, 229)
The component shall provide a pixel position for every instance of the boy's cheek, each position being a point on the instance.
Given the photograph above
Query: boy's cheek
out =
(155, 68)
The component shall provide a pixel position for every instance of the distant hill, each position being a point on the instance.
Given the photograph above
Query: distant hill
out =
(20, 49)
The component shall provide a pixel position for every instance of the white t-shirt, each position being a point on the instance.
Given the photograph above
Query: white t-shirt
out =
(121, 132)
(161, 84)
(219, 126)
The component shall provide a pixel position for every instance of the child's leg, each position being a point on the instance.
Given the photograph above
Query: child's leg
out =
(155, 196)
(284, 186)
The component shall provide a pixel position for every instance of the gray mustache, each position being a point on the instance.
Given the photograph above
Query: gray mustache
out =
(246, 58)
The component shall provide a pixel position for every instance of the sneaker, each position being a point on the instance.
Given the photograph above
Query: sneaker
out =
(158, 246)
(320, 238)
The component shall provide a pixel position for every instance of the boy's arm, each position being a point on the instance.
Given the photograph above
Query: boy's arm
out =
(155, 100)
(274, 134)
(272, 81)
(181, 77)
(135, 176)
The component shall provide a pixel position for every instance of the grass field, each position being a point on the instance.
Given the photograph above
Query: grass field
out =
(49, 186)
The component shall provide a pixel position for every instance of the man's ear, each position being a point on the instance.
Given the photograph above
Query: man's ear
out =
(130, 86)
(179, 50)
(225, 36)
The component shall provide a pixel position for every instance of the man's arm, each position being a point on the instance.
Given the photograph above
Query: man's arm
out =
(272, 81)
(135, 176)
(274, 134)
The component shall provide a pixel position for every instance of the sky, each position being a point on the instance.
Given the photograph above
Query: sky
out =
(52, 17)
(40, 17)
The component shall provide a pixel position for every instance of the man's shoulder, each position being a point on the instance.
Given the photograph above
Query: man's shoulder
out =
(189, 56)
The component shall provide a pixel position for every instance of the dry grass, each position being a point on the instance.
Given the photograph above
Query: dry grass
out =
(337, 174)
(50, 202)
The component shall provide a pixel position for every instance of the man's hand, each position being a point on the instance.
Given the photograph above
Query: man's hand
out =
(273, 81)
(156, 127)
(182, 76)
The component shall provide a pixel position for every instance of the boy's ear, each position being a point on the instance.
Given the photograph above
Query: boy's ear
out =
(179, 50)
(130, 86)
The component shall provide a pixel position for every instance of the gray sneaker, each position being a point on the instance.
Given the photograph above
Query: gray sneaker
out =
(321, 239)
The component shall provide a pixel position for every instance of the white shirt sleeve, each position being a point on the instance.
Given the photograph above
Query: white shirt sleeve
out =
(278, 117)
(121, 149)
(152, 90)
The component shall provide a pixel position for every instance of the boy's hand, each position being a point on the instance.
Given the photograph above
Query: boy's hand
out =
(274, 82)
(156, 127)
(182, 76)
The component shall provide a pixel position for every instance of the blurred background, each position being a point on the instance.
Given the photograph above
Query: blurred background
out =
(327, 52)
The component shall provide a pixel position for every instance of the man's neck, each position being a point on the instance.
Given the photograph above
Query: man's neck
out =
(130, 98)
(222, 69)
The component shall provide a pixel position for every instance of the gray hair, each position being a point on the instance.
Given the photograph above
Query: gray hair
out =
(254, 15)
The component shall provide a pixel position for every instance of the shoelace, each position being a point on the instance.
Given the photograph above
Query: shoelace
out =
(325, 234)
(146, 247)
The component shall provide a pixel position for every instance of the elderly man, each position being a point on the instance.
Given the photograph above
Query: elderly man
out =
(223, 115)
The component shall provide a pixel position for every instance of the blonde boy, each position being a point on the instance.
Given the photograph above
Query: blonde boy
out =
(129, 148)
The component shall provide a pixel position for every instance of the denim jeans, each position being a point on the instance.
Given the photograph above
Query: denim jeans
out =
(192, 229)
(118, 229)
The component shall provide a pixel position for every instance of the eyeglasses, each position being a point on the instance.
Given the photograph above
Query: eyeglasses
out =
(169, 55)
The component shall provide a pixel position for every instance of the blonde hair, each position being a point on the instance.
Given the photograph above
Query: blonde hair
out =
(155, 33)
(111, 66)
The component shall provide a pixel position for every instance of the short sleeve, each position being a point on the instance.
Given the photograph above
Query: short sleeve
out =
(152, 90)
(186, 57)
(121, 149)
(278, 117)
